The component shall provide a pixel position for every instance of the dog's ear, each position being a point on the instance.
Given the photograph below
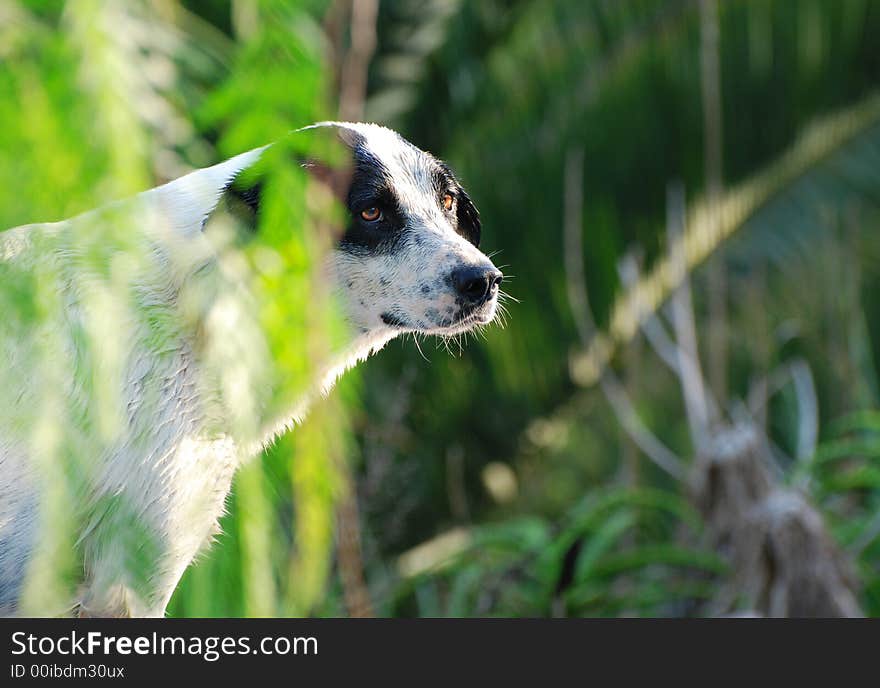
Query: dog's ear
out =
(336, 179)
(468, 218)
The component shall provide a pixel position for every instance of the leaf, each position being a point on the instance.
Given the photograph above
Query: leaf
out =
(600, 542)
(847, 449)
(665, 554)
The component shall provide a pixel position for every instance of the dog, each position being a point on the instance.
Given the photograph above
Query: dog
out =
(149, 487)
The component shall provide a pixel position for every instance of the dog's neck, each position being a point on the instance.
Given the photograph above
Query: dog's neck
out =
(358, 350)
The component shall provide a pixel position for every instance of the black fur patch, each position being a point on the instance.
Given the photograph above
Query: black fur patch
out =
(242, 201)
(469, 225)
(467, 216)
(371, 187)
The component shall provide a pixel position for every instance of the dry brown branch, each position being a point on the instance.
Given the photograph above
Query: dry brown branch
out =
(353, 78)
(783, 561)
(348, 551)
(659, 338)
(796, 371)
(710, 72)
(690, 373)
(576, 287)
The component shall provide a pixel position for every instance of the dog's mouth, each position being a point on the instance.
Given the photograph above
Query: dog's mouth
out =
(465, 322)
(466, 318)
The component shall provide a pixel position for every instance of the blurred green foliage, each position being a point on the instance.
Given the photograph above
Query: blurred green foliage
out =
(100, 100)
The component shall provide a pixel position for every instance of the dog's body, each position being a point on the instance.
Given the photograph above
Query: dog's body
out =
(151, 485)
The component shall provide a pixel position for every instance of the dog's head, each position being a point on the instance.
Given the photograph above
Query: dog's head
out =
(409, 259)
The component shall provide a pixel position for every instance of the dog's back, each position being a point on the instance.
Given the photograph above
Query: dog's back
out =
(104, 384)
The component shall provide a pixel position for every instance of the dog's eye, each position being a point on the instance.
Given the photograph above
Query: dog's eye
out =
(371, 214)
(448, 200)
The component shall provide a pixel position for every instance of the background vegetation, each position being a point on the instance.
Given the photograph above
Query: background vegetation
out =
(666, 182)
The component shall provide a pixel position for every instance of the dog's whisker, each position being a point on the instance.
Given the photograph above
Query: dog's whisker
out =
(444, 340)
(421, 353)
(505, 295)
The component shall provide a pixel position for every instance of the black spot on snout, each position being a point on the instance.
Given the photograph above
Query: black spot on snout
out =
(426, 289)
(392, 320)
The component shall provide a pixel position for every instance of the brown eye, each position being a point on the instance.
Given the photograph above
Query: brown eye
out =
(448, 200)
(371, 214)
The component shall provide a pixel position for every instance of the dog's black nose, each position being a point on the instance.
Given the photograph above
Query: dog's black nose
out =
(476, 284)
